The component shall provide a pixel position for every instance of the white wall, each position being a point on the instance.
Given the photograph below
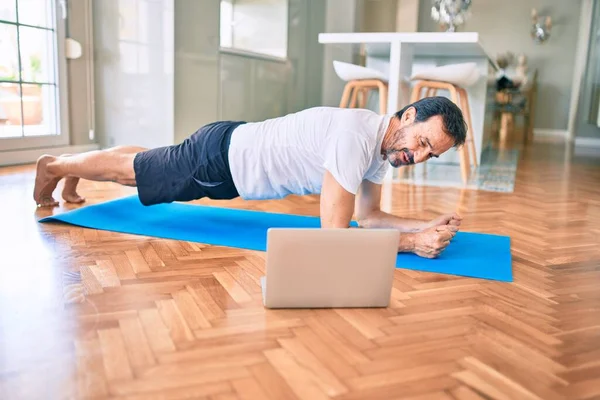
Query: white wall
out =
(379, 16)
(305, 53)
(340, 16)
(407, 15)
(196, 77)
(134, 72)
(81, 75)
(252, 89)
(504, 26)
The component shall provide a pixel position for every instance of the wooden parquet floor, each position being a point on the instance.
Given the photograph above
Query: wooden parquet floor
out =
(94, 314)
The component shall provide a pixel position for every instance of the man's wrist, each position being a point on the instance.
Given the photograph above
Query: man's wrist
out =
(425, 225)
(407, 242)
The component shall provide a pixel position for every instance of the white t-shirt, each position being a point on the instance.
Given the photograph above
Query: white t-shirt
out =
(289, 155)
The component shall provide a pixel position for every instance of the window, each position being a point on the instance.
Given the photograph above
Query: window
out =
(256, 26)
(29, 71)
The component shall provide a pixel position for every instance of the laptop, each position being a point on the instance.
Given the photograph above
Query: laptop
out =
(329, 268)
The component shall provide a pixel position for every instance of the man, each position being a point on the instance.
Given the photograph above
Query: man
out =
(341, 154)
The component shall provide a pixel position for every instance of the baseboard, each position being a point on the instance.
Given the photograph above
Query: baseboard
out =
(550, 135)
(16, 157)
(588, 142)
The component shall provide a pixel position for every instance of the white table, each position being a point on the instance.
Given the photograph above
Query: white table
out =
(400, 54)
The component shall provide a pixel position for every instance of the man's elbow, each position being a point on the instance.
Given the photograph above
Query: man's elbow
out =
(334, 225)
(336, 221)
(365, 219)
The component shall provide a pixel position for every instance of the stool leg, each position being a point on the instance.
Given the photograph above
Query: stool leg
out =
(415, 96)
(504, 127)
(416, 92)
(346, 94)
(463, 151)
(470, 141)
(525, 127)
(353, 99)
(383, 96)
(363, 97)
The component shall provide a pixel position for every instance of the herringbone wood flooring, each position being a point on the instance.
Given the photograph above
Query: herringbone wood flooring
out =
(94, 314)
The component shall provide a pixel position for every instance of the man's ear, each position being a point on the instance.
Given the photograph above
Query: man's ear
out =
(409, 115)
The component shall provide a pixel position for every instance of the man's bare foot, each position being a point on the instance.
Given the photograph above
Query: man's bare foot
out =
(69, 192)
(45, 183)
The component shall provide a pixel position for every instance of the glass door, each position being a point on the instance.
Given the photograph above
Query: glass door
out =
(32, 75)
(588, 113)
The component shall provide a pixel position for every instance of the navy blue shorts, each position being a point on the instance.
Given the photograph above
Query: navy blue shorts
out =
(196, 168)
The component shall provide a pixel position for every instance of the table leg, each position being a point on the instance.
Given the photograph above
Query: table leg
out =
(394, 79)
(401, 60)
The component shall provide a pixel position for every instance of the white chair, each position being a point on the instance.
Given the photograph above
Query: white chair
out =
(361, 80)
(454, 78)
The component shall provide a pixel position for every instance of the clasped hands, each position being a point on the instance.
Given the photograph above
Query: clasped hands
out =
(436, 235)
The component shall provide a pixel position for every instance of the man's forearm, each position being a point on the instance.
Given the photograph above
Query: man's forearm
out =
(380, 219)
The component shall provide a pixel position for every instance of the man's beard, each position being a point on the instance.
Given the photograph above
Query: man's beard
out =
(399, 159)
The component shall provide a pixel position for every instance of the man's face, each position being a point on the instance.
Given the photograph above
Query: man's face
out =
(415, 142)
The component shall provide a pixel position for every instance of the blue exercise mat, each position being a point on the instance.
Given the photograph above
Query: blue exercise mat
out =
(469, 254)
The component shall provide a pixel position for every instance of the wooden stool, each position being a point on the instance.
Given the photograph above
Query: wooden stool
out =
(360, 81)
(354, 87)
(510, 103)
(463, 73)
(504, 99)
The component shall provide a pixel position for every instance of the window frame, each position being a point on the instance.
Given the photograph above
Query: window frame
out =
(62, 138)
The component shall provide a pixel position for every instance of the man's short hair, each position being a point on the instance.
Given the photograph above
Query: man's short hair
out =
(453, 122)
